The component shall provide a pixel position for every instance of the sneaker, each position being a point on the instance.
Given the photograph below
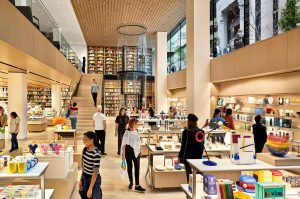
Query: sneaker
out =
(140, 188)
(130, 186)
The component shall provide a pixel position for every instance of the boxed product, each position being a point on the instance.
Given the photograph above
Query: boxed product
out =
(158, 160)
(263, 175)
(209, 184)
(264, 190)
(225, 189)
(199, 180)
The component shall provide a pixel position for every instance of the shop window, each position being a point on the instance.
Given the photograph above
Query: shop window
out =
(275, 17)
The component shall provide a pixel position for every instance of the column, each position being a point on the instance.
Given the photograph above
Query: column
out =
(17, 100)
(56, 98)
(161, 100)
(198, 59)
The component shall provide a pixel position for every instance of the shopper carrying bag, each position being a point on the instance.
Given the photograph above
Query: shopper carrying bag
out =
(14, 130)
(90, 181)
(131, 152)
(121, 125)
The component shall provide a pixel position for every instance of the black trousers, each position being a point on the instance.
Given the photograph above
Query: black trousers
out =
(130, 157)
(101, 137)
(120, 138)
(188, 170)
(95, 98)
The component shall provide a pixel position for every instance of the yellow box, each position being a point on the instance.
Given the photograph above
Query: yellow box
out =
(263, 175)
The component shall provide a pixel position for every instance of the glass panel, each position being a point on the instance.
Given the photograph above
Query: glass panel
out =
(183, 34)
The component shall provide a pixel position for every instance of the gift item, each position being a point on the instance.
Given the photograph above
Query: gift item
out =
(264, 190)
(263, 176)
(241, 195)
(225, 189)
(242, 149)
(246, 183)
(56, 148)
(44, 149)
(209, 184)
(276, 176)
(278, 145)
(32, 148)
(158, 160)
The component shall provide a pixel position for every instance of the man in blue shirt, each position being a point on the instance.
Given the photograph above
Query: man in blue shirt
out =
(217, 118)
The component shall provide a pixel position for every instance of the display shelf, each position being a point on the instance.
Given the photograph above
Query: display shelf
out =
(65, 99)
(112, 90)
(4, 97)
(37, 171)
(132, 87)
(39, 96)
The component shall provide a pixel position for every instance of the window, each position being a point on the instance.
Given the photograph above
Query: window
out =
(257, 20)
(176, 48)
(275, 17)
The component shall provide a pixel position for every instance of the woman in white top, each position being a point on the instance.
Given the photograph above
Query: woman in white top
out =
(131, 149)
(14, 130)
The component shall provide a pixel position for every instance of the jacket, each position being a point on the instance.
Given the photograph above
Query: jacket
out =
(190, 148)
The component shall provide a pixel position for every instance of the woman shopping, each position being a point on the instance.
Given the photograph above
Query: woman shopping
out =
(14, 130)
(90, 181)
(131, 152)
(121, 123)
(73, 115)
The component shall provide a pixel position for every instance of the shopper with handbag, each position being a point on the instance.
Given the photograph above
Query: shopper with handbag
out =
(121, 125)
(90, 181)
(14, 130)
(131, 152)
(191, 148)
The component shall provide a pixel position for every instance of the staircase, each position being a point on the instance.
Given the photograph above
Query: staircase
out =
(85, 102)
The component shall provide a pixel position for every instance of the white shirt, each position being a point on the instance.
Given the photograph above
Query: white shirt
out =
(13, 125)
(99, 119)
(132, 138)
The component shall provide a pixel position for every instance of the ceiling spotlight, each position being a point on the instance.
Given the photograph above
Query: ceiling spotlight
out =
(28, 71)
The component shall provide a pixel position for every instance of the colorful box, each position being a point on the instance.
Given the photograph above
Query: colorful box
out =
(210, 184)
(269, 190)
(276, 176)
(263, 175)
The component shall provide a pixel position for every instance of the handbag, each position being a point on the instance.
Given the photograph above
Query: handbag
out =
(2, 130)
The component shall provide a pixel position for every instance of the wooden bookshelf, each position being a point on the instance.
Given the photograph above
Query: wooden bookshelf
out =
(112, 91)
(150, 97)
(4, 97)
(39, 96)
(65, 99)
(110, 61)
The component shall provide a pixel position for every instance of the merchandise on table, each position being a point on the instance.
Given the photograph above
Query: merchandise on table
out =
(278, 145)
(19, 192)
(19, 164)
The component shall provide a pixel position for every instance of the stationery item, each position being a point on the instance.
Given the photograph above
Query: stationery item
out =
(158, 160)
(225, 189)
(276, 176)
(246, 183)
(242, 149)
(266, 190)
(263, 175)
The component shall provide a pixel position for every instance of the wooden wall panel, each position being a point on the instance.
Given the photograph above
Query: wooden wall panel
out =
(176, 80)
(272, 56)
(294, 49)
(273, 84)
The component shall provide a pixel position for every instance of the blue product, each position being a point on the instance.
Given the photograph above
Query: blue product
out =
(209, 184)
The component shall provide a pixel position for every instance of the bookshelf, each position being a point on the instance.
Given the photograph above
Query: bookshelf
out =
(130, 58)
(72, 57)
(95, 60)
(132, 87)
(39, 96)
(65, 99)
(148, 61)
(110, 61)
(150, 98)
(112, 91)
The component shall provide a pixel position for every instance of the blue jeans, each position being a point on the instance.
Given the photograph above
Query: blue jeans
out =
(73, 122)
(14, 141)
(97, 192)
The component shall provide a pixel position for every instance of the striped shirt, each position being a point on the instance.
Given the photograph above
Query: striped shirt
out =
(90, 161)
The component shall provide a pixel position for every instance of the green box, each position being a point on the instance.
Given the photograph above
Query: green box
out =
(269, 190)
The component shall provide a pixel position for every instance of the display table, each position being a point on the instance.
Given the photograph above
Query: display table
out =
(36, 172)
(67, 133)
(225, 169)
(37, 125)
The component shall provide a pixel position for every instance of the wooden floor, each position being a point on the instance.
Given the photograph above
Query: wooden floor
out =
(113, 186)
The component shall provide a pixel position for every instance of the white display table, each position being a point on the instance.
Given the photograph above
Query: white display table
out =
(36, 172)
(226, 167)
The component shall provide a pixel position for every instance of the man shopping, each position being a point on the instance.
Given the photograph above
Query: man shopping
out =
(100, 127)
(94, 90)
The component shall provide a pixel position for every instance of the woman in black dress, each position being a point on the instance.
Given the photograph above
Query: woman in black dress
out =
(121, 124)
(260, 134)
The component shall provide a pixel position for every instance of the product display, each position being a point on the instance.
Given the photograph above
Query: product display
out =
(112, 91)
(19, 191)
(278, 145)
(39, 96)
(19, 164)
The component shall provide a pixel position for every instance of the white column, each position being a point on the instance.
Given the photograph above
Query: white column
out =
(198, 59)
(56, 97)
(161, 100)
(17, 100)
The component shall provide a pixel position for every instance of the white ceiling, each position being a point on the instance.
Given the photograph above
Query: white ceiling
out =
(63, 13)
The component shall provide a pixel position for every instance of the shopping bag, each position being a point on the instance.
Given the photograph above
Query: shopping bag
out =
(2, 130)
(123, 168)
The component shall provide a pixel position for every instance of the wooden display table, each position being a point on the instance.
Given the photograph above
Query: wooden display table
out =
(37, 125)
(287, 160)
(67, 133)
